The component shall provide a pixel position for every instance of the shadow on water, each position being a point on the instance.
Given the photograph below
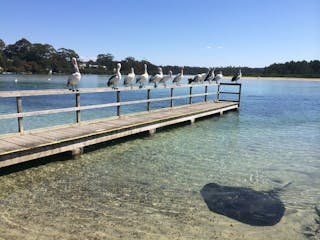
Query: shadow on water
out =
(244, 204)
(35, 163)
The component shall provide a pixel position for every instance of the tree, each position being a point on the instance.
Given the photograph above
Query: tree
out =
(3, 58)
(19, 49)
(2, 45)
(107, 61)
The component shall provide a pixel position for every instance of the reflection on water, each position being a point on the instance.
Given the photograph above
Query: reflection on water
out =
(149, 188)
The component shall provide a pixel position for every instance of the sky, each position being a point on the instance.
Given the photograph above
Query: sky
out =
(204, 33)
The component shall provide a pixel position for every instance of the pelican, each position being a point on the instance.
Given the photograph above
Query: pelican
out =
(157, 77)
(114, 79)
(166, 78)
(204, 75)
(218, 77)
(178, 78)
(237, 76)
(143, 78)
(75, 77)
(129, 78)
(197, 78)
(210, 76)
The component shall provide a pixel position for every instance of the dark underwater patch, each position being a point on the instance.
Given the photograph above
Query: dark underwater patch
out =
(244, 204)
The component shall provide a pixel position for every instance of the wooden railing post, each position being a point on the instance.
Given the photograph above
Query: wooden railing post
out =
(118, 101)
(206, 91)
(190, 95)
(171, 95)
(218, 95)
(78, 105)
(148, 97)
(19, 110)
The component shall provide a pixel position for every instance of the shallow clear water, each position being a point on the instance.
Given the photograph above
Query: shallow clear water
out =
(149, 188)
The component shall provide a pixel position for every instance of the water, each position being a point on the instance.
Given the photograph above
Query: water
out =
(149, 188)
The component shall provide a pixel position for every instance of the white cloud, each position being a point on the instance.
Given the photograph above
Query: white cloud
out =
(209, 47)
(219, 47)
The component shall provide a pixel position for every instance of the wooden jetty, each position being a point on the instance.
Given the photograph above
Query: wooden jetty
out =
(37, 143)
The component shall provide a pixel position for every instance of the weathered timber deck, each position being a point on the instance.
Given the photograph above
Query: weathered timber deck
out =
(17, 148)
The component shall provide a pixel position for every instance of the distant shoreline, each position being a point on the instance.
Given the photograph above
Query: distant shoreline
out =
(224, 77)
(281, 78)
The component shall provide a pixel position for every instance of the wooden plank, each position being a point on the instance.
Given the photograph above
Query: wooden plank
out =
(7, 146)
(22, 93)
(230, 93)
(230, 84)
(40, 135)
(26, 140)
(142, 122)
(19, 110)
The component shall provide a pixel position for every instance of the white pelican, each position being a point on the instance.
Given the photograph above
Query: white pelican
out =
(197, 78)
(218, 77)
(178, 78)
(210, 75)
(75, 77)
(144, 77)
(237, 76)
(166, 78)
(157, 77)
(129, 78)
(114, 79)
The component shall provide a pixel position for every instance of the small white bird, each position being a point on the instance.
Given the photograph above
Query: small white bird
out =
(129, 78)
(157, 77)
(75, 77)
(218, 77)
(114, 79)
(237, 76)
(166, 78)
(178, 78)
(143, 78)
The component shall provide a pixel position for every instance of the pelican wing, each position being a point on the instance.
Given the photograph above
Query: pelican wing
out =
(112, 79)
(177, 78)
(138, 79)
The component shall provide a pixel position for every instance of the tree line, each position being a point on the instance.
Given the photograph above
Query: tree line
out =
(26, 57)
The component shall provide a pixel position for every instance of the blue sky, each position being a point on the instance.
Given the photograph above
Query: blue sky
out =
(174, 32)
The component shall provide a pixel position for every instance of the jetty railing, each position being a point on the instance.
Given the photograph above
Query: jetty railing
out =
(223, 92)
(20, 94)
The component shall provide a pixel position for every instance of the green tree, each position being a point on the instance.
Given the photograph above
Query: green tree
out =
(106, 60)
(19, 49)
(2, 45)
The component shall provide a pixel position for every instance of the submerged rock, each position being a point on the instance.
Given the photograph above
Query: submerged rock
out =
(244, 204)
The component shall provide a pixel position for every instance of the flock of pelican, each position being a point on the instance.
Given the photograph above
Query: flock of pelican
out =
(144, 78)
